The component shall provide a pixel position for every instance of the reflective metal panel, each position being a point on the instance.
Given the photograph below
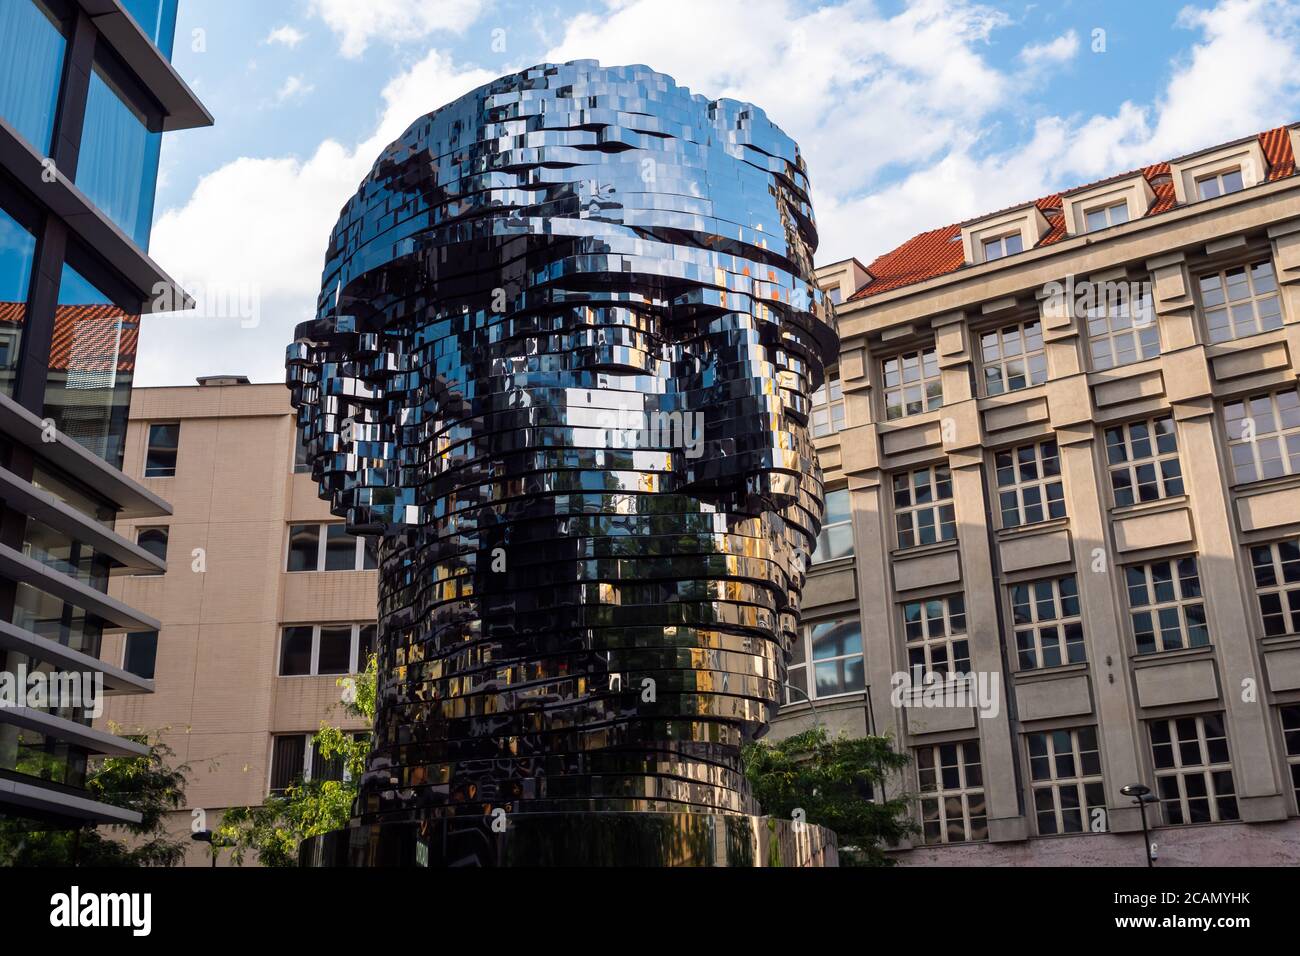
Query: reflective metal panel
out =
(561, 367)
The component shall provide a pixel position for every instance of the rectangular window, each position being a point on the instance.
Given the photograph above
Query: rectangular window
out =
(1013, 358)
(32, 45)
(329, 547)
(836, 651)
(1193, 770)
(1219, 184)
(304, 547)
(1241, 301)
(836, 538)
(828, 406)
(1166, 606)
(17, 257)
(1143, 461)
(153, 540)
(1029, 484)
(325, 649)
(141, 654)
(1121, 331)
(118, 166)
(796, 689)
(1065, 774)
(1264, 435)
(951, 784)
(296, 650)
(1048, 626)
(288, 760)
(368, 645)
(160, 456)
(913, 384)
(923, 508)
(295, 757)
(1276, 569)
(935, 631)
(1291, 738)
(1100, 218)
(301, 459)
(340, 549)
(1001, 246)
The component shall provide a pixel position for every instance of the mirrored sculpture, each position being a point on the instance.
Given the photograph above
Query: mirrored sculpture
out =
(560, 370)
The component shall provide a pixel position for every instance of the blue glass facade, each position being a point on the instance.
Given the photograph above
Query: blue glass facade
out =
(32, 47)
(92, 362)
(158, 20)
(118, 168)
(67, 349)
(17, 255)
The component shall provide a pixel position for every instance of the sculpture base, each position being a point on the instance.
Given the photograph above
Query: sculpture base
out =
(577, 839)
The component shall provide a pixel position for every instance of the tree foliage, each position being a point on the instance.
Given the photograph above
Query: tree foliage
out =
(307, 807)
(147, 784)
(832, 781)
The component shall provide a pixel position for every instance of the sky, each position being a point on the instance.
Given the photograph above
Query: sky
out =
(910, 116)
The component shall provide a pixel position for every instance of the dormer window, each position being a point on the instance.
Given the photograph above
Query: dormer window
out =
(1219, 184)
(1110, 203)
(1221, 171)
(1103, 216)
(1000, 246)
(1003, 235)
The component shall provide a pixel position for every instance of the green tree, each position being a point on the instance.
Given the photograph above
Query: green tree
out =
(307, 807)
(832, 781)
(147, 784)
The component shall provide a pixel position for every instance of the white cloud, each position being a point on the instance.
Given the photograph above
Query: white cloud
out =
(896, 115)
(1061, 50)
(393, 21)
(295, 87)
(856, 88)
(286, 36)
(259, 226)
(1241, 76)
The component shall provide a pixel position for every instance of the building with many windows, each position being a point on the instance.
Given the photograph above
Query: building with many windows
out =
(1062, 551)
(86, 91)
(266, 603)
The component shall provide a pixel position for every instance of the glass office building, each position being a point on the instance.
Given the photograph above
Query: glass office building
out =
(86, 91)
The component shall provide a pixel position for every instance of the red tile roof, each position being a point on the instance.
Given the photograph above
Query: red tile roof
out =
(939, 251)
(91, 329)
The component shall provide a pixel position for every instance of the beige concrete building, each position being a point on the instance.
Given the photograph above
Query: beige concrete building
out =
(264, 605)
(1063, 445)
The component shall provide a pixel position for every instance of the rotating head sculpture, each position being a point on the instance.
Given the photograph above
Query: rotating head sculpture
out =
(561, 370)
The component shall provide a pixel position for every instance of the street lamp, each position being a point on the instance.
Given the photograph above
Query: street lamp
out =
(1142, 795)
(207, 836)
(817, 720)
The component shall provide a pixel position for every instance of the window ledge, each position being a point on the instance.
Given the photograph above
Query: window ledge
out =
(1265, 485)
(1156, 658)
(924, 549)
(835, 564)
(1171, 503)
(1030, 530)
(1041, 674)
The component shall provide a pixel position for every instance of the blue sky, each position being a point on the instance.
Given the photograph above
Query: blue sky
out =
(910, 115)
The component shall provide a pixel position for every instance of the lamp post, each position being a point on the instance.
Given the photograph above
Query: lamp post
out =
(1142, 795)
(817, 719)
(207, 836)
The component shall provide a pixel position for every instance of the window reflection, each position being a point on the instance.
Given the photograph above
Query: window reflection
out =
(32, 45)
(92, 363)
(118, 164)
(17, 253)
